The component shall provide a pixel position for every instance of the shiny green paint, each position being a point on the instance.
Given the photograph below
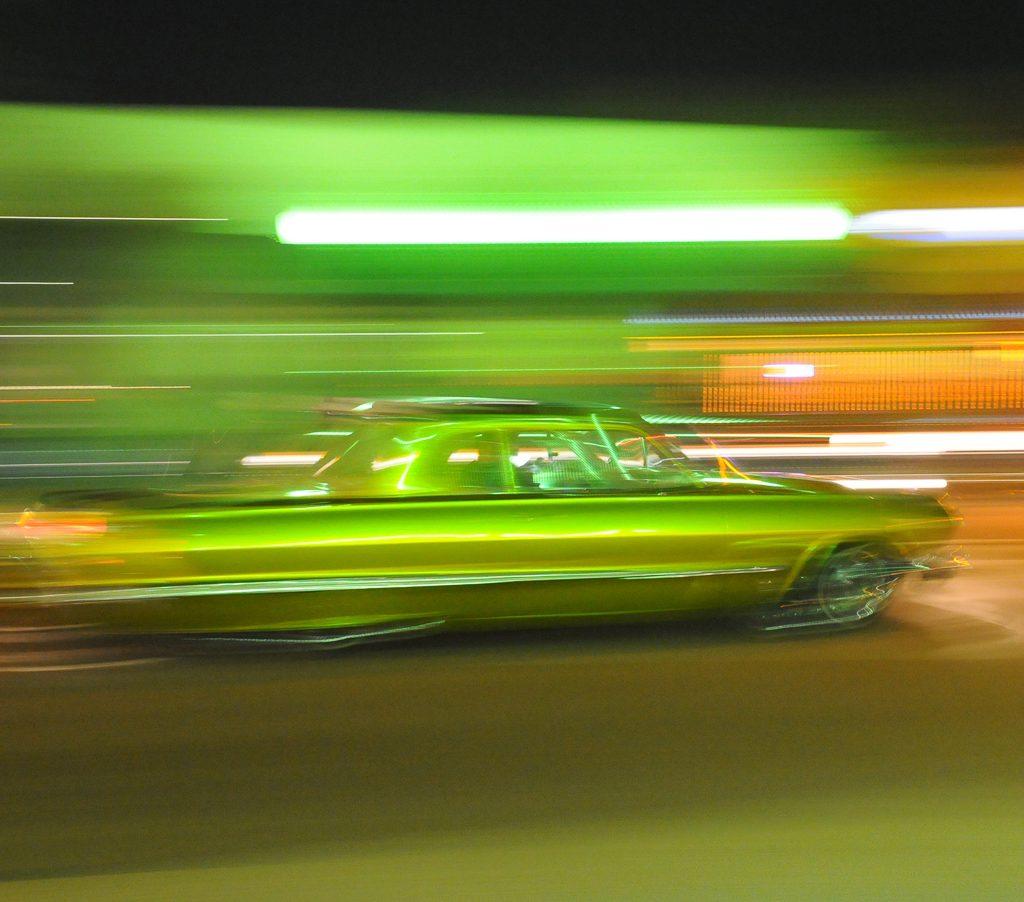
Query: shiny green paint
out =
(408, 553)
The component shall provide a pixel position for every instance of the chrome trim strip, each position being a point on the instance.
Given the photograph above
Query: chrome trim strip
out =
(340, 637)
(334, 584)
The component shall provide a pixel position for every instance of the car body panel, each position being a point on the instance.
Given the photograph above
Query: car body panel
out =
(408, 542)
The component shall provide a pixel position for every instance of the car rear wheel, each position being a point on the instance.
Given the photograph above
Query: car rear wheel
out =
(853, 586)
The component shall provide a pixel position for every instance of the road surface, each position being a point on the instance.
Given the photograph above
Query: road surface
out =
(669, 761)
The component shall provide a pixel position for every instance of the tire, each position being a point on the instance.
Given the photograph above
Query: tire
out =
(851, 589)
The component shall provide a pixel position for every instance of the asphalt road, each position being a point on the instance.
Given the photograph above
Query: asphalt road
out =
(654, 762)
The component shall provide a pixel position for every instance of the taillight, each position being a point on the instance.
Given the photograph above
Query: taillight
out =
(61, 524)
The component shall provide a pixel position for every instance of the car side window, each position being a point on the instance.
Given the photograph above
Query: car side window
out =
(561, 461)
(599, 459)
(466, 464)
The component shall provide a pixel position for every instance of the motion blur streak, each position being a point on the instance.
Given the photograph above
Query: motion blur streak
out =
(47, 400)
(870, 484)
(117, 218)
(757, 319)
(94, 387)
(280, 460)
(788, 370)
(812, 451)
(933, 442)
(133, 335)
(977, 224)
(684, 224)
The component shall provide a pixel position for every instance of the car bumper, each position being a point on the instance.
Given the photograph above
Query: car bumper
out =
(942, 563)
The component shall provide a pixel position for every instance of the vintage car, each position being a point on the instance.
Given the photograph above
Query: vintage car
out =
(392, 518)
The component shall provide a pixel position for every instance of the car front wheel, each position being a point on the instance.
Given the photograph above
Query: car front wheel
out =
(853, 586)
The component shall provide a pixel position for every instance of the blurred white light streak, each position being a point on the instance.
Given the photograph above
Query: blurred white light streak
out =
(755, 434)
(37, 283)
(818, 222)
(868, 484)
(284, 459)
(786, 451)
(952, 224)
(933, 442)
(874, 444)
(788, 370)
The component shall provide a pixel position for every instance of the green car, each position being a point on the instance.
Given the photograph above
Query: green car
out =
(392, 518)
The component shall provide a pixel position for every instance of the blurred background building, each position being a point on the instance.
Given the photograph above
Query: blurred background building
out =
(147, 289)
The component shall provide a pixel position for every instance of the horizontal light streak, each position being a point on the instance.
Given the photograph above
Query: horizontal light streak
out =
(818, 222)
(867, 444)
(282, 459)
(91, 665)
(727, 435)
(60, 465)
(37, 283)
(30, 336)
(957, 224)
(36, 452)
(118, 218)
(783, 318)
(97, 476)
(788, 370)
(868, 484)
(670, 420)
(47, 400)
(787, 451)
(93, 387)
(933, 442)
(796, 336)
(524, 369)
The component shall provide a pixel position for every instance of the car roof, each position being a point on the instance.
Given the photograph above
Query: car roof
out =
(444, 407)
(417, 413)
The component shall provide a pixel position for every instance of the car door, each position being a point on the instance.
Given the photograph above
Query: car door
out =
(426, 546)
(599, 534)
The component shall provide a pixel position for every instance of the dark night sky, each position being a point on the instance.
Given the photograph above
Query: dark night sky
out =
(675, 60)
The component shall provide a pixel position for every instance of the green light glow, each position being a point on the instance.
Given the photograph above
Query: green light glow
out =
(174, 179)
(773, 222)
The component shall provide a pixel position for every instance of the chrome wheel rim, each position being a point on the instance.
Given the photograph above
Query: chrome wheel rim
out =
(857, 583)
